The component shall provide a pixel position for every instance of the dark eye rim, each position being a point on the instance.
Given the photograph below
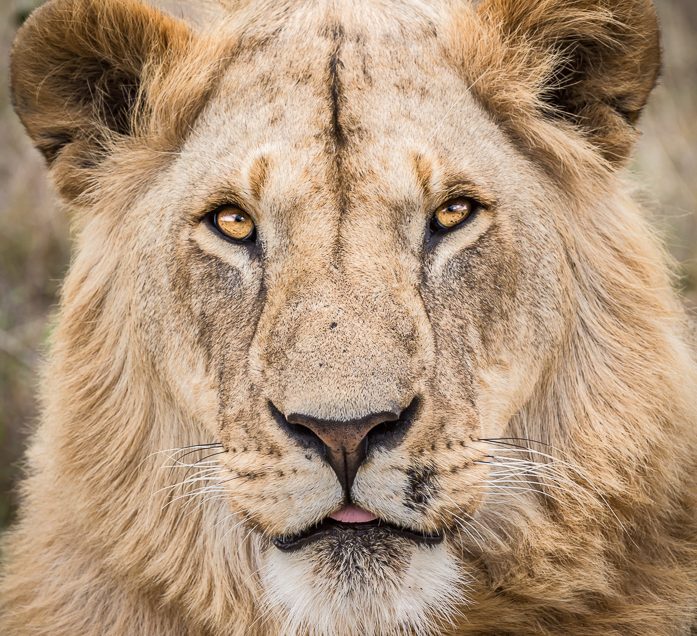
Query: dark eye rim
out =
(436, 230)
(211, 219)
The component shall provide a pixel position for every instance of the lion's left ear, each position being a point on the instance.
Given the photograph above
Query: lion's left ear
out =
(601, 60)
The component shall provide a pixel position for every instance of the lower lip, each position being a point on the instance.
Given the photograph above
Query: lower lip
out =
(331, 527)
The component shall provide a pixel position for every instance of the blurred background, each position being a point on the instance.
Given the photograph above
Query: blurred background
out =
(35, 241)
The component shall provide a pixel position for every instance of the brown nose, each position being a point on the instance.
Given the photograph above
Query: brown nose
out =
(346, 442)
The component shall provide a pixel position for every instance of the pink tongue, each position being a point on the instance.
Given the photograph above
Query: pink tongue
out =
(352, 514)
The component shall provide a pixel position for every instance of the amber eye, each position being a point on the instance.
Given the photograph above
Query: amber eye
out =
(234, 223)
(453, 213)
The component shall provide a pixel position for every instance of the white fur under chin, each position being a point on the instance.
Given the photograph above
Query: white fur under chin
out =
(425, 593)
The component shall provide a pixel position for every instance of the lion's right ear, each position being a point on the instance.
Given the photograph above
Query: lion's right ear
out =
(78, 78)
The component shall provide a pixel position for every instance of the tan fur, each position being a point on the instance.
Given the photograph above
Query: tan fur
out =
(555, 441)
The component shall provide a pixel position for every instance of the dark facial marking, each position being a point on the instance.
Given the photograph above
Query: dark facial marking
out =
(337, 135)
(335, 88)
(420, 487)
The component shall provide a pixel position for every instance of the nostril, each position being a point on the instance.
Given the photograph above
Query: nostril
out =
(305, 434)
(301, 434)
(390, 434)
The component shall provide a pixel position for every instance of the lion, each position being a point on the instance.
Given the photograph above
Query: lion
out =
(364, 332)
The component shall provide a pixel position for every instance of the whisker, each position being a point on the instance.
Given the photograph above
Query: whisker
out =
(196, 465)
(204, 458)
(523, 468)
(550, 469)
(197, 450)
(508, 441)
(521, 489)
(469, 519)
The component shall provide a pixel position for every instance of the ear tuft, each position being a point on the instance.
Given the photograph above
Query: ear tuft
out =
(598, 61)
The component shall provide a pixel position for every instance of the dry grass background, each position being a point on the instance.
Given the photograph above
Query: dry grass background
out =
(34, 240)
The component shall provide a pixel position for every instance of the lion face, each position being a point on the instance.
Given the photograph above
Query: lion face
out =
(349, 277)
(355, 355)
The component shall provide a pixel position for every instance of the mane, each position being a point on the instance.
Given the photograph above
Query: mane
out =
(613, 419)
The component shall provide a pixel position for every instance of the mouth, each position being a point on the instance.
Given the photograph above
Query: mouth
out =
(351, 521)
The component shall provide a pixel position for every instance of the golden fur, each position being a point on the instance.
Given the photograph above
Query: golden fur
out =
(555, 440)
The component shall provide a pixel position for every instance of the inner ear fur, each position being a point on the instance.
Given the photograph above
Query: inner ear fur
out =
(595, 61)
(80, 74)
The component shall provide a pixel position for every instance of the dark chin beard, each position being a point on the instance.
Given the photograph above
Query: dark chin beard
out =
(353, 558)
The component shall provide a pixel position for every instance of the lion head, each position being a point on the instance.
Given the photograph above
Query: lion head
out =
(366, 276)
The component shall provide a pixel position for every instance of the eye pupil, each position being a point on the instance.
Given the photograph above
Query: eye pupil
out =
(452, 214)
(234, 224)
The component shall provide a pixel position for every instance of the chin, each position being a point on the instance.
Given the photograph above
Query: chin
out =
(372, 578)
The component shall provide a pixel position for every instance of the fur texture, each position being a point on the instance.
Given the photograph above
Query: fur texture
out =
(555, 439)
